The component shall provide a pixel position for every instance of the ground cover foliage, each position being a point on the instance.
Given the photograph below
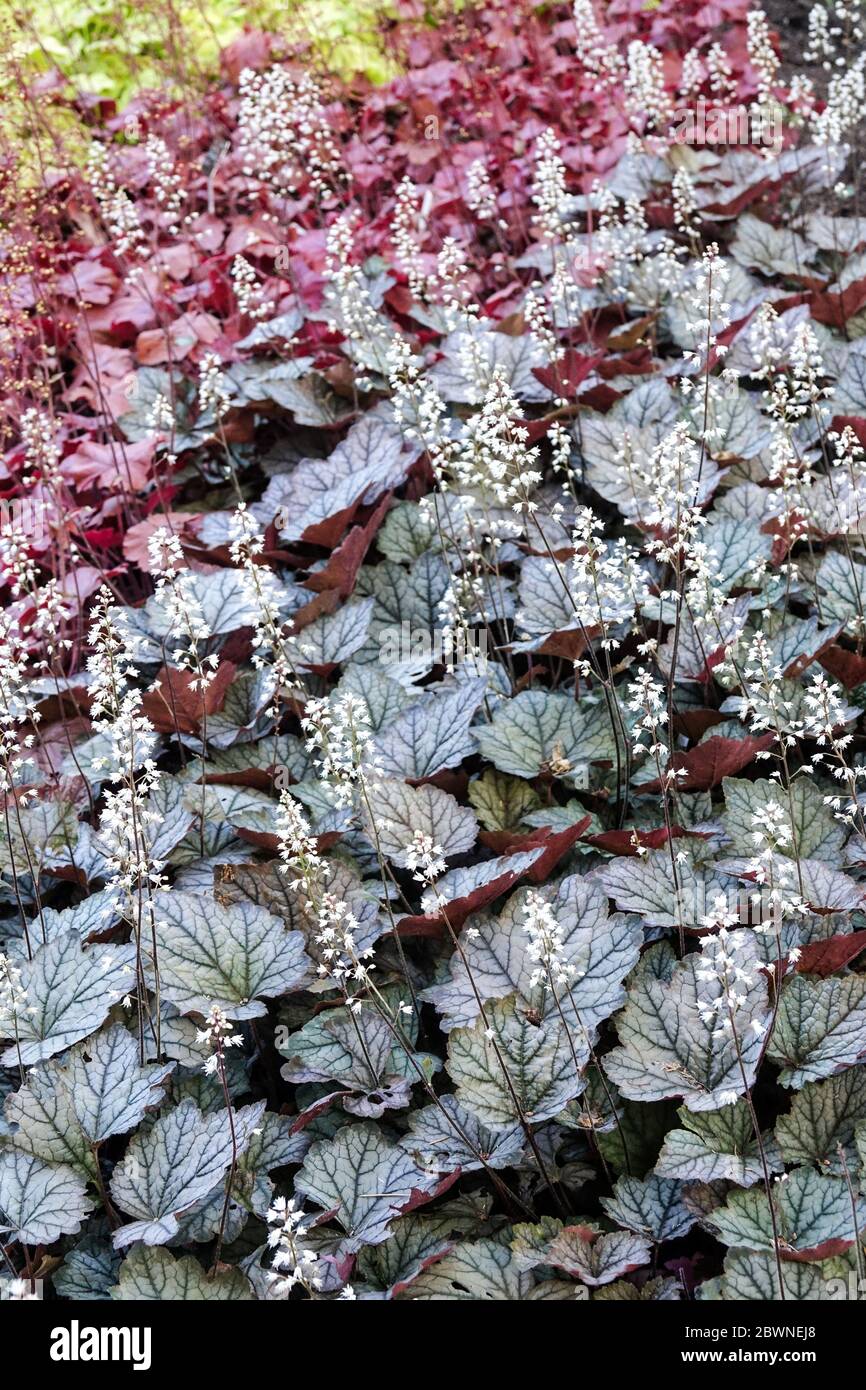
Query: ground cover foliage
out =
(433, 673)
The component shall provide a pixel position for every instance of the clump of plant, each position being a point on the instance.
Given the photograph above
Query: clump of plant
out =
(431, 668)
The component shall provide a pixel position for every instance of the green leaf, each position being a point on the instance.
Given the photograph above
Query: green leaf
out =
(599, 1260)
(651, 1207)
(47, 1126)
(70, 1104)
(364, 1180)
(39, 1201)
(265, 886)
(173, 1165)
(407, 532)
(546, 601)
(334, 637)
(411, 598)
(153, 1274)
(773, 250)
(653, 1291)
(432, 733)
(393, 811)
(738, 550)
(843, 585)
(716, 1147)
(357, 1052)
(668, 1046)
(88, 1270)
(632, 1143)
(525, 1068)
(820, 1027)
(811, 1209)
(38, 836)
(502, 801)
(228, 956)
(496, 961)
(544, 730)
(384, 697)
(272, 1145)
(69, 991)
(581, 1250)
(822, 1116)
(415, 1242)
(814, 831)
(646, 886)
(442, 1145)
(225, 600)
(753, 1277)
(477, 1271)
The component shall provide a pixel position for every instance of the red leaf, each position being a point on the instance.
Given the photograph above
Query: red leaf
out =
(341, 570)
(825, 1251)
(418, 1196)
(826, 957)
(845, 666)
(706, 764)
(837, 308)
(251, 49)
(694, 723)
(176, 707)
(263, 839)
(623, 841)
(572, 369)
(555, 843)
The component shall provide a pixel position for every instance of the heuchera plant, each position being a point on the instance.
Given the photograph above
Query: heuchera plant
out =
(432, 668)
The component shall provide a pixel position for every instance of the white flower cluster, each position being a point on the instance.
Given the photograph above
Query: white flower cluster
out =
(292, 1260)
(41, 453)
(452, 271)
(217, 1034)
(762, 54)
(213, 391)
(408, 233)
(115, 698)
(13, 995)
(546, 945)
(424, 857)
(480, 195)
(728, 982)
(495, 455)
(182, 612)
(720, 72)
(672, 481)
(119, 212)
(843, 105)
(340, 959)
(596, 56)
(338, 734)
(166, 181)
(16, 707)
(772, 869)
(368, 334)
(549, 193)
(283, 131)
(605, 579)
(247, 290)
(645, 85)
(271, 643)
(419, 410)
(648, 699)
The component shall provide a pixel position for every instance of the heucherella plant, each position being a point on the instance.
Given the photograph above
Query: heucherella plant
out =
(433, 671)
